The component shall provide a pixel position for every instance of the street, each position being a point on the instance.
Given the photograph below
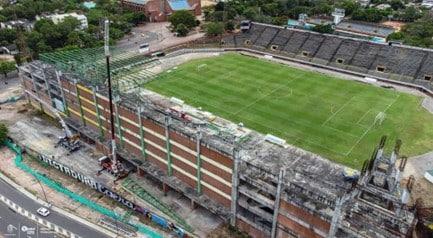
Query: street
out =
(14, 219)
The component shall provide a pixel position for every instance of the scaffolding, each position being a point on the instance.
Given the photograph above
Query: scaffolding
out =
(89, 65)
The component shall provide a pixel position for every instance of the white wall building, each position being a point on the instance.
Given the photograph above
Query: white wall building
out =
(56, 18)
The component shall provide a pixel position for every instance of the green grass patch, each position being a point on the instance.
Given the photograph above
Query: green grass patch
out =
(320, 113)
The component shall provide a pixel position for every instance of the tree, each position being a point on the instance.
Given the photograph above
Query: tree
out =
(6, 67)
(327, 28)
(397, 4)
(182, 30)
(214, 28)
(410, 14)
(184, 17)
(8, 35)
(3, 133)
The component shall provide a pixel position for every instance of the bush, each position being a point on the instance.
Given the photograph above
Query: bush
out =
(182, 30)
(3, 133)
(324, 28)
(214, 28)
(229, 26)
(182, 17)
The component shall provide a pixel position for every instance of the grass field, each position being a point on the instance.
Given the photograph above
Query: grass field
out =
(326, 115)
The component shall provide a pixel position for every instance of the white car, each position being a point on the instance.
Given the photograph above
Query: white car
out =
(43, 211)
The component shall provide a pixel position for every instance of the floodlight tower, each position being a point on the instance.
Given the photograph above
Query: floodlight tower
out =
(114, 166)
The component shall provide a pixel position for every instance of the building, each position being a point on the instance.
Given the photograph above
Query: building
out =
(17, 24)
(427, 3)
(56, 18)
(160, 10)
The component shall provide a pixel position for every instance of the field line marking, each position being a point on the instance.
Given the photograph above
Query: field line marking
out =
(263, 97)
(371, 126)
(360, 119)
(335, 113)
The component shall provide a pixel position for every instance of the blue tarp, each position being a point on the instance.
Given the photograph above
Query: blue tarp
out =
(177, 5)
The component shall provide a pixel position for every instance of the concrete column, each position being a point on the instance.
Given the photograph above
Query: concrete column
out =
(235, 185)
(47, 85)
(142, 142)
(165, 188)
(168, 145)
(65, 104)
(37, 91)
(198, 162)
(98, 113)
(79, 102)
(277, 202)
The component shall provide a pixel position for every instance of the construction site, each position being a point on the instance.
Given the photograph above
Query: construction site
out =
(257, 183)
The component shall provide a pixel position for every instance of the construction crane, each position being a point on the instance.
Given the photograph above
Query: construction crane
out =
(69, 141)
(114, 166)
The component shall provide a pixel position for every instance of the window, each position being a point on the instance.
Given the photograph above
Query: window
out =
(380, 68)
(223, 42)
(305, 53)
(247, 42)
(274, 47)
(340, 61)
(428, 77)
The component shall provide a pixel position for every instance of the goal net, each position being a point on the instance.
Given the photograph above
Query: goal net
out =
(380, 117)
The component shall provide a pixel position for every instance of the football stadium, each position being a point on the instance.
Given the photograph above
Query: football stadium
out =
(278, 132)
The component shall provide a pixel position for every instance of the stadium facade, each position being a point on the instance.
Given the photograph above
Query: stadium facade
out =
(265, 189)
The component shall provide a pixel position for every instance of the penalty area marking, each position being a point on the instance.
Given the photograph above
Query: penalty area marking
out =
(339, 110)
(370, 127)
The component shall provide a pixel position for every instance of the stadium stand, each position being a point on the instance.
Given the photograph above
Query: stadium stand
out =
(327, 49)
(280, 40)
(425, 72)
(311, 45)
(395, 62)
(345, 53)
(295, 42)
(266, 37)
(365, 57)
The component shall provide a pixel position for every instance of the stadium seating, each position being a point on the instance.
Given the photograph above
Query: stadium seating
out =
(365, 57)
(266, 37)
(327, 49)
(281, 39)
(395, 62)
(425, 72)
(295, 42)
(311, 45)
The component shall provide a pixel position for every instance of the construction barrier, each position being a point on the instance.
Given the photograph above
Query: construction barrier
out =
(59, 188)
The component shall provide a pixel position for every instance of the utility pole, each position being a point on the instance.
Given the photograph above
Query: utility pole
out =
(110, 96)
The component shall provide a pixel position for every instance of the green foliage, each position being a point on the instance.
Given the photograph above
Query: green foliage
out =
(3, 133)
(6, 67)
(418, 33)
(327, 28)
(7, 36)
(229, 26)
(369, 14)
(184, 17)
(410, 14)
(397, 4)
(182, 30)
(214, 28)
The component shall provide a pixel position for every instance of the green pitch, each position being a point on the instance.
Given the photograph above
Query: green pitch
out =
(332, 117)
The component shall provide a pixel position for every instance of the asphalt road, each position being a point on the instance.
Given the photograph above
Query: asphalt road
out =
(13, 224)
(31, 206)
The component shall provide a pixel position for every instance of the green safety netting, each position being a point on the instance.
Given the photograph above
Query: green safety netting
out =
(135, 188)
(59, 188)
